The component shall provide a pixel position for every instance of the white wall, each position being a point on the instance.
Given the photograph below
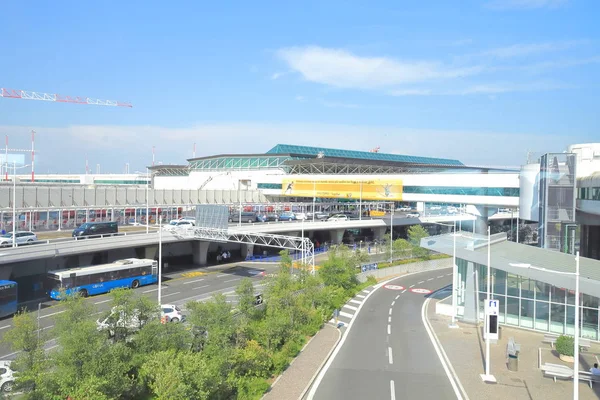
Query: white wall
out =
(529, 207)
(588, 158)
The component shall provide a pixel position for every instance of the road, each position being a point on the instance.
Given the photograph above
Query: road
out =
(387, 353)
(178, 288)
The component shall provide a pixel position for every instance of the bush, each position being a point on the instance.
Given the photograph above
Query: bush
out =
(565, 345)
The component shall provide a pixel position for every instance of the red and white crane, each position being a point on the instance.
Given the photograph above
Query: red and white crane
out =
(28, 95)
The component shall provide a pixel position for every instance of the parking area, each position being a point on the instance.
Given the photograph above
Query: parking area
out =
(465, 349)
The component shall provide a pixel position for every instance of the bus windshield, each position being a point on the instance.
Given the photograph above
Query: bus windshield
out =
(8, 298)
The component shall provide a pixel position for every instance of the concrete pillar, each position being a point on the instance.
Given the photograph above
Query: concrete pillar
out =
(200, 251)
(247, 250)
(149, 252)
(481, 223)
(379, 233)
(336, 235)
(471, 299)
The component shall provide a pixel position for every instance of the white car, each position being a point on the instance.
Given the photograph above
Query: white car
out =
(413, 215)
(7, 379)
(117, 319)
(21, 237)
(338, 217)
(180, 223)
(172, 313)
(404, 208)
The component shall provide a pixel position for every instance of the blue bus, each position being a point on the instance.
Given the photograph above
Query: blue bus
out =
(99, 279)
(8, 298)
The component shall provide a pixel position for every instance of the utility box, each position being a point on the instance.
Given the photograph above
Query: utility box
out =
(491, 327)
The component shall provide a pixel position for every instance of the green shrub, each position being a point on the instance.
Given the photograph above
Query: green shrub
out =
(565, 345)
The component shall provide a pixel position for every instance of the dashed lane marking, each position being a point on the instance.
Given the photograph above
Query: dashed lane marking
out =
(361, 296)
(420, 282)
(390, 357)
(345, 314)
(389, 319)
(232, 280)
(170, 294)
(49, 315)
(366, 291)
(404, 291)
(194, 281)
(5, 327)
(393, 302)
(441, 276)
(390, 311)
(411, 286)
(392, 390)
(430, 279)
(103, 301)
(200, 287)
(350, 307)
(389, 329)
(355, 301)
(396, 298)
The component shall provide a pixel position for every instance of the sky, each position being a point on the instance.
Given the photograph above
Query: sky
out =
(483, 81)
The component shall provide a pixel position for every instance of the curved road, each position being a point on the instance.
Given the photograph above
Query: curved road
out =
(387, 353)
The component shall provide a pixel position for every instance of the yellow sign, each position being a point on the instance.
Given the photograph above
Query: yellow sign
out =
(375, 189)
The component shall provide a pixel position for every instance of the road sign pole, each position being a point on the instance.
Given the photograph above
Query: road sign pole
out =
(487, 377)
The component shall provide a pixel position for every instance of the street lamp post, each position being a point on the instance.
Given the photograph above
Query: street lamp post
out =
(240, 201)
(14, 219)
(159, 260)
(576, 322)
(147, 200)
(392, 235)
(488, 377)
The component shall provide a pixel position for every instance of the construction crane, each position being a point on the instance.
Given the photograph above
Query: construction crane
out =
(26, 95)
(57, 98)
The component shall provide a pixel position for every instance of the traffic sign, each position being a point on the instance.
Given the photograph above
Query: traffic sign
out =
(492, 306)
(420, 291)
(394, 287)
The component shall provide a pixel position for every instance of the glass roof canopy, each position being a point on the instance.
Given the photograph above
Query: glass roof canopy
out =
(364, 155)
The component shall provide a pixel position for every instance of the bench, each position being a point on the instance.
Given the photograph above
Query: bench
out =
(588, 377)
(551, 338)
(557, 371)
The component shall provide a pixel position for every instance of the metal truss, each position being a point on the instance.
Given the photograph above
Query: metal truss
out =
(28, 95)
(304, 245)
(242, 162)
(334, 168)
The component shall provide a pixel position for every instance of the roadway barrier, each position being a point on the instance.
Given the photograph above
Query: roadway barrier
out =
(275, 258)
(418, 266)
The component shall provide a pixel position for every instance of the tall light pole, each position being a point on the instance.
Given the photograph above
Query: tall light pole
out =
(240, 201)
(392, 235)
(159, 260)
(576, 322)
(360, 203)
(454, 278)
(14, 219)
(488, 377)
(314, 199)
(147, 200)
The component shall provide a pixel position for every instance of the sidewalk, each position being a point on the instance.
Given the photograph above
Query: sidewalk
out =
(295, 379)
(465, 349)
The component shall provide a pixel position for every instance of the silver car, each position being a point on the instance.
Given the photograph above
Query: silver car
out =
(21, 237)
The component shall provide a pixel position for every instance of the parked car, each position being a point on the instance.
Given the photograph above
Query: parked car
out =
(404, 208)
(287, 216)
(96, 229)
(413, 215)
(247, 216)
(318, 216)
(338, 217)
(172, 313)
(21, 237)
(301, 216)
(180, 223)
(271, 217)
(7, 378)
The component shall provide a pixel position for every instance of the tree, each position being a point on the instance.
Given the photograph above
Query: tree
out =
(415, 234)
(212, 324)
(402, 249)
(246, 298)
(340, 268)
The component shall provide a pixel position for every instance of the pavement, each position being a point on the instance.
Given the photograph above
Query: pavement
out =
(465, 349)
(386, 352)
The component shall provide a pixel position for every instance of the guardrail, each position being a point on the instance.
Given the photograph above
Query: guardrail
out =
(295, 256)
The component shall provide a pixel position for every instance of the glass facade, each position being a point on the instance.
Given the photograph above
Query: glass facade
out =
(241, 162)
(588, 193)
(532, 304)
(465, 191)
(269, 186)
(364, 155)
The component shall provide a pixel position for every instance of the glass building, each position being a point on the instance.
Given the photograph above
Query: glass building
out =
(529, 298)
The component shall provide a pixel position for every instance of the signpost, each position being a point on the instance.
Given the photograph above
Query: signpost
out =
(492, 309)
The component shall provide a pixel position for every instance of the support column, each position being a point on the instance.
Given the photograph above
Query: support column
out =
(481, 223)
(379, 233)
(247, 250)
(336, 235)
(468, 295)
(200, 252)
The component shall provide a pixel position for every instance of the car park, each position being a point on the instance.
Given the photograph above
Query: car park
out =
(21, 237)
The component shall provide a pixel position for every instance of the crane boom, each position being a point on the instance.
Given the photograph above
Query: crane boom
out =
(27, 95)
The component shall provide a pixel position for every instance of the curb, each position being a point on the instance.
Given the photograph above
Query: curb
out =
(312, 379)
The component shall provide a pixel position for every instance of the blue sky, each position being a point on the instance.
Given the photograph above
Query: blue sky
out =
(482, 81)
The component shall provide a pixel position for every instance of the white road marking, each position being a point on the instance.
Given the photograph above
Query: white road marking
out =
(392, 390)
(350, 307)
(355, 301)
(404, 291)
(441, 276)
(103, 301)
(396, 298)
(345, 314)
(420, 282)
(5, 327)
(200, 287)
(361, 296)
(391, 358)
(411, 286)
(393, 302)
(232, 280)
(52, 347)
(389, 329)
(222, 275)
(194, 281)
(170, 294)
(389, 319)
(153, 290)
(448, 274)
(390, 311)
(430, 279)
(49, 315)
(366, 291)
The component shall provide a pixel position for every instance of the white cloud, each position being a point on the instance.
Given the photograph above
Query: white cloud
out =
(486, 88)
(525, 4)
(340, 68)
(65, 149)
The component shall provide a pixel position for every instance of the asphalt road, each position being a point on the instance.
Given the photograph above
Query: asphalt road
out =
(387, 353)
(178, 288)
